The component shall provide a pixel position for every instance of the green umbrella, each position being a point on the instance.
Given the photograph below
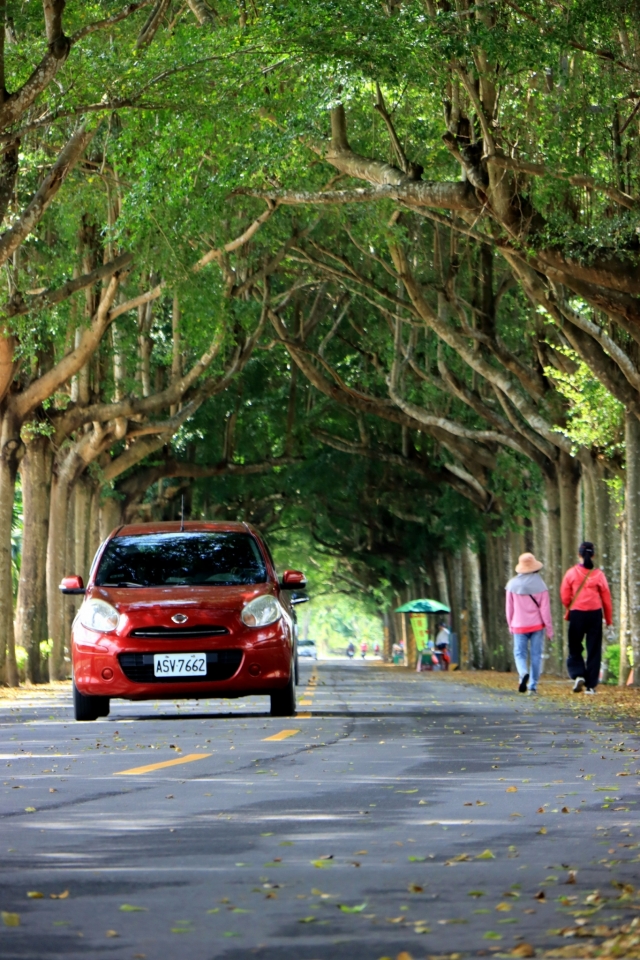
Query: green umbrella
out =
(423, 606)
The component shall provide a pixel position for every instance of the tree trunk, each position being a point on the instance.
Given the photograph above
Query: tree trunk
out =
(82, 520)
(624, 610)
(553, 576)
(441, 580)
(94, 524)
(31, 615)
(568, 487)
(10, 451)
(56, 570)
(632, 438)
(110, 516)
(473, 592)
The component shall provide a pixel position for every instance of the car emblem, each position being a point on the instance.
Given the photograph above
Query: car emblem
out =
(179, 618)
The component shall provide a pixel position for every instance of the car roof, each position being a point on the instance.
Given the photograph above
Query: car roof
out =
(189, 526)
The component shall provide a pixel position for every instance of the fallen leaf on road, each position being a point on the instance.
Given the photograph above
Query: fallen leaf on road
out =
(469, 804)
(504, 907)
(540, 810)
(326, 856)
(395, 919)
(523, 950)
(306, 919)
(59, 896)
(407, 791)
(320, 864)
(169, 796)
(486, 855)
(52, 790)
(461, 858)
(571, 877)
(214, 910)
(30, 809)
(112, 933)
(476, 893)
(129, 908)
(415, 888)
(347, 909)
(361, 853)
(565, 810)
(540, 895)
(10, 919)
(417, 859)
(403, 955)
(542, 830)
(422, 803)
(511, 790)
(35, 895)
(492, 935)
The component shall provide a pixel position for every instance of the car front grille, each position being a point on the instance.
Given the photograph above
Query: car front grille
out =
(179, 633)
(221, 665)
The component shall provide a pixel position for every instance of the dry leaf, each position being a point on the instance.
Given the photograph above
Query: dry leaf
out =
(565, 810)
(112, 933)
(403, 955)
(486, 855)
(523, 950)
(415, 888)
(511, 790)
(542, 830)
(35, 895)
(10, 919)
(59, 896)
(29, 809)
(572, 876)
(540, 810)
(481, 803)
(504, 907)
(540, 895)
(467, 804)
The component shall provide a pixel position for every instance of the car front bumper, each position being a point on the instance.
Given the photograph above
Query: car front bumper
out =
(107, 665)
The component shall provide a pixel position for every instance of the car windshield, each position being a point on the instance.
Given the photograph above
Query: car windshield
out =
(181, 559)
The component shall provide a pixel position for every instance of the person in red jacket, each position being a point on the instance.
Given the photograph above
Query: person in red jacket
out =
(586, 595)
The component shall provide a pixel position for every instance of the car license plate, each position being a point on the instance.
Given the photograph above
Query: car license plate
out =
(180, 664)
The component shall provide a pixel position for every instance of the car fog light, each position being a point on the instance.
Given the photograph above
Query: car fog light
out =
(107, 673)
(255, 670)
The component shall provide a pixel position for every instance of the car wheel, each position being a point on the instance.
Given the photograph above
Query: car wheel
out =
(89, 708)
(283, 702)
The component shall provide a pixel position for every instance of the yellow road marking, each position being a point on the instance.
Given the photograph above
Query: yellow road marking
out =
(282, 735)
(303, 716)
(165, 763)
(306, 703)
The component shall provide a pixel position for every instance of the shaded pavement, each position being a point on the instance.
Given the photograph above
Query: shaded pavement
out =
(395, 813)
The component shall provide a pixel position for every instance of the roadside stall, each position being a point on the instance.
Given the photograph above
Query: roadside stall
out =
(423, 649)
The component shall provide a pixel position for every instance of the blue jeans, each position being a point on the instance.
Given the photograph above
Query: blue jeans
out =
(521, 654)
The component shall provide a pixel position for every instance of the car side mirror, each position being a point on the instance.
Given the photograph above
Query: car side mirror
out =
(292, 579)
(72, 585)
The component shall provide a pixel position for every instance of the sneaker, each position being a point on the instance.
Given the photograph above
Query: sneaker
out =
(591, 691)
(532, 693)
(523, 684)
(579, 685)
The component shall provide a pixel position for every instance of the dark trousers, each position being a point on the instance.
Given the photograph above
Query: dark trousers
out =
(585, 623)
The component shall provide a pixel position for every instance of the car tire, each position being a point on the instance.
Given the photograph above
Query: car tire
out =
(283, 702)
(89, 708)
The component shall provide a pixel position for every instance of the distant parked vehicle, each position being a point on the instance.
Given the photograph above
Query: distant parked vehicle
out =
(307, 648)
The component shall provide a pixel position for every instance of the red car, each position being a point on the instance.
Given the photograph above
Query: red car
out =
(176, 610)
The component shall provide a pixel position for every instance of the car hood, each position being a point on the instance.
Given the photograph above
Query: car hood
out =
(155, 606)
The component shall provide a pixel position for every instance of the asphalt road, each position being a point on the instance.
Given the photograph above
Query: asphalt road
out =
(395, 813)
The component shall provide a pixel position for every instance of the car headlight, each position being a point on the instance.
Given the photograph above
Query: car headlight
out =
(261, 612)
(99, 615)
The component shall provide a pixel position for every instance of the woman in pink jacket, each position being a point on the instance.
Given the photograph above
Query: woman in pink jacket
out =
(528, 616)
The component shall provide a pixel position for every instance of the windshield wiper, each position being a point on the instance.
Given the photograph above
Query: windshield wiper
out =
(122, 583)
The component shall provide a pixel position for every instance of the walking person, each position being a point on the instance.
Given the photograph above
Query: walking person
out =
(528, 616)
(586, 595)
